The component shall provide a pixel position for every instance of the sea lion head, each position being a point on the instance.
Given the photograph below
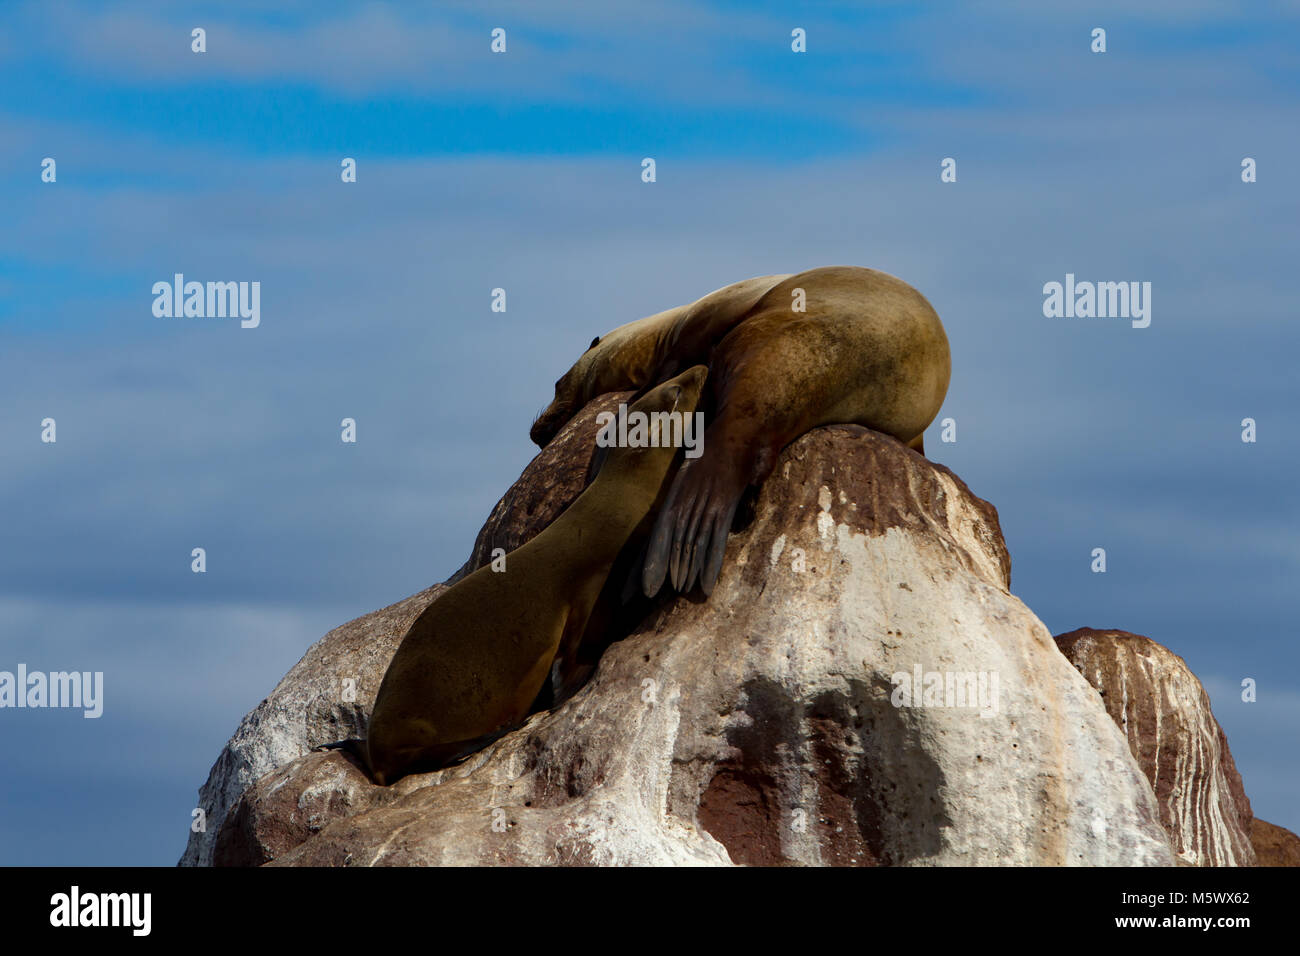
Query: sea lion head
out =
(645, 466)
(622, 359)
(679, 394)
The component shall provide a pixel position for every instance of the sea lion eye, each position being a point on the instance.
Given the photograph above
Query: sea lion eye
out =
(594, 342)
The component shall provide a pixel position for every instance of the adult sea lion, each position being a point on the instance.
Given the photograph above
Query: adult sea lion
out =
(473, 662)
(868, 349)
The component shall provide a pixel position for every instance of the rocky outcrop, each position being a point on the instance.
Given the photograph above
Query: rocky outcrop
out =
(1165, 714)
(770, 724)
(1274, 845)
(312, 705)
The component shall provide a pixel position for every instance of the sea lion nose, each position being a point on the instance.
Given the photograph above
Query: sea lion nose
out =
(544, 429)
(541, 434)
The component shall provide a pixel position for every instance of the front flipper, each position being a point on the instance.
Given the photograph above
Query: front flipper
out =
(690, 535)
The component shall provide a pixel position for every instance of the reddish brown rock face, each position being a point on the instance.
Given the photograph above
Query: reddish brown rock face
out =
(1165, 714)
(1274, 845)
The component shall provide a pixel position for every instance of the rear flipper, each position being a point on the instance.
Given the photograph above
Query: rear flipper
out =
(690, 535)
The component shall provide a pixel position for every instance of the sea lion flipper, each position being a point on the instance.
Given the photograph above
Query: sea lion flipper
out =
(706, 538)
(654, 568)
(690, 532)
(717, 548)
(663, 554)
(687, 537)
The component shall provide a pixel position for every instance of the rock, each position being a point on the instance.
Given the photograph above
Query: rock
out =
(760, 726)
(1164, 712)
(294, 802)
(1274, 845)
(306, 709)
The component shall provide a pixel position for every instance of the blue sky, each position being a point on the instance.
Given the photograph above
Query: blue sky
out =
(523, 171)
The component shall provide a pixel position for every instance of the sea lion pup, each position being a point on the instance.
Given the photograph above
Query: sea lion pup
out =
(866, 349)
(472, 663)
